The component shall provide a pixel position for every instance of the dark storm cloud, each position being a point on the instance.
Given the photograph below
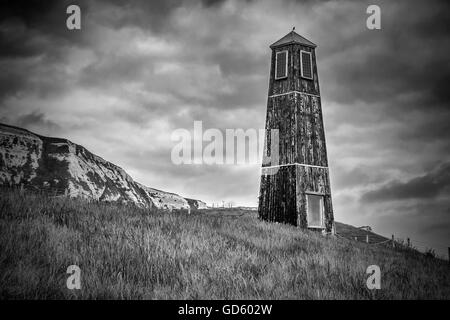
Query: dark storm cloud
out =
(408, 55)
(427, 186)
(396, 63)
(153, 14)
(240, 62)
(36, 120)
(361, 175)
(37, 29)
(431, 128)
(34, 42)
(28, 28)
(50, 16)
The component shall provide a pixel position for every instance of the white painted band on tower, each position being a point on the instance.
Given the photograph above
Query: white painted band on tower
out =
(296, 92)
(295, 164)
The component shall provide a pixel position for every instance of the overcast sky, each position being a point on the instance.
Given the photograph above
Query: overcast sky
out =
(137, 70)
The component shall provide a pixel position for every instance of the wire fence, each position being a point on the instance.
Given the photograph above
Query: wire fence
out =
(356, 238)
(400, 243)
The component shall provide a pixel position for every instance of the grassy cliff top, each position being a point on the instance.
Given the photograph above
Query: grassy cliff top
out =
(126, 252)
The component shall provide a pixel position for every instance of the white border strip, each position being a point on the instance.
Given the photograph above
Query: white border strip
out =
(290, 92)
(295, 164)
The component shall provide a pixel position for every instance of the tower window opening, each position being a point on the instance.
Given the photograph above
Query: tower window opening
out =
(281, 65)
(306, 64)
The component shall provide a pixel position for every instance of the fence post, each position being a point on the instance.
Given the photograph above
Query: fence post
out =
(393, 242)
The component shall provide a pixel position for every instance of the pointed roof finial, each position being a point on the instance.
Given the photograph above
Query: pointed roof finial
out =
(293, 28)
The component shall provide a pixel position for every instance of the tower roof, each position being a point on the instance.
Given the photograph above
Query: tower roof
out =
(293, 37)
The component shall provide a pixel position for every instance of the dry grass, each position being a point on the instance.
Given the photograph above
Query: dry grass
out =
(129, 253)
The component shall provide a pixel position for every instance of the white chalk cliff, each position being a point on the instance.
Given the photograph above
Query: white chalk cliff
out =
(62, 167)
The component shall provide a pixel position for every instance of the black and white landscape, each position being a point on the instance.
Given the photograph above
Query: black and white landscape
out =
(116, 121)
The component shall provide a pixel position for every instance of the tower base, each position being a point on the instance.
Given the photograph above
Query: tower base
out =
(298, 195)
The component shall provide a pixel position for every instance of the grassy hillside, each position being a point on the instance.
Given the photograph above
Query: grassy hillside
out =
(125, 252)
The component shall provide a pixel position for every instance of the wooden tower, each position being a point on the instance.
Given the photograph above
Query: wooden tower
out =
(295, 183)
